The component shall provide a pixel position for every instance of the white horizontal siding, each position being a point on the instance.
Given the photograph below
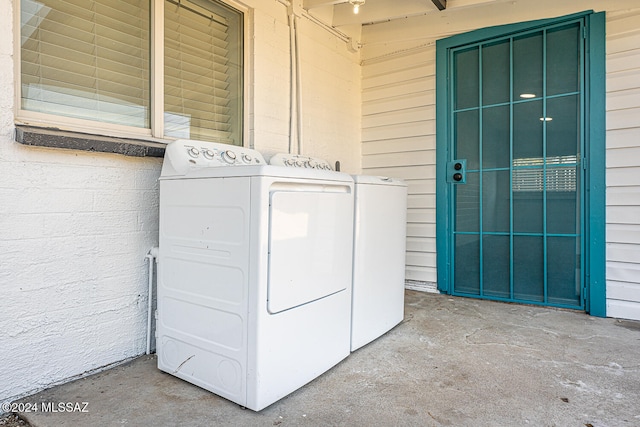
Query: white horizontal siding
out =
(622, 138)
(414, 158)
(415, 143)
(623, 164)
(398, 102)
(622, 277)
(398, 140)
(623, 233)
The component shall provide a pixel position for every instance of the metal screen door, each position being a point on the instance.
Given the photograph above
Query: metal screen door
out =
(515, 169)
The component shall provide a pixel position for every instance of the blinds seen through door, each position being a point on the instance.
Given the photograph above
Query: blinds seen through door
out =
(202, 79)
(86, 59)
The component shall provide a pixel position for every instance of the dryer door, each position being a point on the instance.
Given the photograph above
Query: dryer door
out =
(310, 245)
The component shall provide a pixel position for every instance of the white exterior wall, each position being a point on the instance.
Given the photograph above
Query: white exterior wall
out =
(75, 226)
(623, 164)
(330, 87)
(399, 140)
(399, 123)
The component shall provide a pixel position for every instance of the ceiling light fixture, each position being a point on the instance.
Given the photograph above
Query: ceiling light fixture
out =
(527, 95)
(356, 5)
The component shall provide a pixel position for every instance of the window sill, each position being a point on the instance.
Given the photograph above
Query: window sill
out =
(55, 138)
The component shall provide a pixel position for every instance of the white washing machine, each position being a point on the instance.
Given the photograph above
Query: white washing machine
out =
(378, 257)
(254, 273)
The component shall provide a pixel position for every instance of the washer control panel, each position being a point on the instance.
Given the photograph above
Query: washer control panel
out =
(299, 161)
(184, 155)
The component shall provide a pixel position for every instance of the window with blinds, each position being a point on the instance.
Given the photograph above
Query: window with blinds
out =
(86, 59)
(202, 63)
(91, 60)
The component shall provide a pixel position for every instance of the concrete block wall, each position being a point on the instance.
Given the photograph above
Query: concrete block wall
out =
(74, 230)
(75, 226)
(329, 83)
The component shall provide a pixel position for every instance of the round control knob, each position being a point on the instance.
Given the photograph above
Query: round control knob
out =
(228, 156)
(194, 152)
(208, 154)
(246, 158)
(457, 166)
(457, 177)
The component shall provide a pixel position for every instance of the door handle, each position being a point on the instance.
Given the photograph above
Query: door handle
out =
(457, 171)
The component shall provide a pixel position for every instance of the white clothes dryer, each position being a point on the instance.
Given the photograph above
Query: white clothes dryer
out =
(254, 272)
(378, 257)
(380, 221)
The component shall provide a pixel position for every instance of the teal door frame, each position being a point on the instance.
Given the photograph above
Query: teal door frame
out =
(593, 270)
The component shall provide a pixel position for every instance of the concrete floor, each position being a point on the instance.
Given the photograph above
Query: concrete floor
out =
(451, 362)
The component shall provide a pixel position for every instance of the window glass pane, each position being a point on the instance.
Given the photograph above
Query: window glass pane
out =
(495, 201)
(203, 71)
(496, 137)
(528, 268)
(467, 78)
(527, 133)
(563, 205)
(563, 270)
(563, 127)
(467, 128)
(527, 201)
(468, 204)
(563, 58)
(496, 266)
(467, 262)
(527, 67)
(86, 59)
(495, 73)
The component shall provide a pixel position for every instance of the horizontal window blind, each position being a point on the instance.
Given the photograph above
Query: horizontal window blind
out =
(87, 59)
(202, 72)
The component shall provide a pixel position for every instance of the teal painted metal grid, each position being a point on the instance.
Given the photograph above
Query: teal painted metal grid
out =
(445, 123)
(593, 257)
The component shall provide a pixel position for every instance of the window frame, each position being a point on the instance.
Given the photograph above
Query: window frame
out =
(35, 120)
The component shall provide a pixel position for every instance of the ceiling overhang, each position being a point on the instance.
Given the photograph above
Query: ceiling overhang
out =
(373, 11)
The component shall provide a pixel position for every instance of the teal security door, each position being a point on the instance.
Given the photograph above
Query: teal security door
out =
(515, 170)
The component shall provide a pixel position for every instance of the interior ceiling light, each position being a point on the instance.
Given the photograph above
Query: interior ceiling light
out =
(527, 95)
(356, 5)
(546, 119)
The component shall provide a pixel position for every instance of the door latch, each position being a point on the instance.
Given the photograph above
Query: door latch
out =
(457, 171)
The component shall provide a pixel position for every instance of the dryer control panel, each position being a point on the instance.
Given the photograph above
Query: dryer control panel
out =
(299, 161)
(184, 155)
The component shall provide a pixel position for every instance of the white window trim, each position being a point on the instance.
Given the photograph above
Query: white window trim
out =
(70, 124)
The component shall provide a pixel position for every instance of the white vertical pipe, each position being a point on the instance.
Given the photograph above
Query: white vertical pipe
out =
(151, 257)
(298, 91)
(292, 78)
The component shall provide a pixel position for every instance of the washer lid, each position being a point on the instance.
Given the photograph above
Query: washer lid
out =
(378, 180)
